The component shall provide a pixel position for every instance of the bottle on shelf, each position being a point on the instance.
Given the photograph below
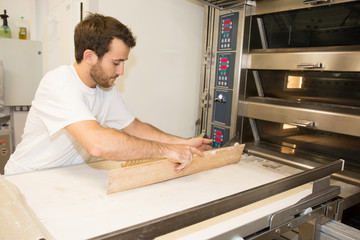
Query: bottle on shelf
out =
(23, 29)
(5, 31)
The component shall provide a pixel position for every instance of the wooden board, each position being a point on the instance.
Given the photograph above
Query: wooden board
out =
(122, 179)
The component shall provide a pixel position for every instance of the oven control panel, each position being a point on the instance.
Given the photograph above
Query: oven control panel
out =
(220, 136)
(224, 77)
(225, 70)
(228, 25)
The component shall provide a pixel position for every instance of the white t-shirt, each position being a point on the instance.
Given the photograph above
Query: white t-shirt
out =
(62, 99)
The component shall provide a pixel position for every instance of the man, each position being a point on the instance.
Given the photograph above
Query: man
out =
(78, 113)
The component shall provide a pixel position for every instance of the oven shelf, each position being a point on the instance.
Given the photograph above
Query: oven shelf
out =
(302, 159)
(302, 102)
(330, 118)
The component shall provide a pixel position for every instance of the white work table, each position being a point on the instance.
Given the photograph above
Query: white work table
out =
(71, 202)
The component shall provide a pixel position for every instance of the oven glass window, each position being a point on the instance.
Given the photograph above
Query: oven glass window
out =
(335, 88)
(336, 25)
(290, 139)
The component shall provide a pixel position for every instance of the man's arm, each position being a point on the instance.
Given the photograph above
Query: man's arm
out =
(115, 145)
(146, 131)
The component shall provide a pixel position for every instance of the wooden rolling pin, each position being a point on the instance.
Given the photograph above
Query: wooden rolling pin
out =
(133, 176)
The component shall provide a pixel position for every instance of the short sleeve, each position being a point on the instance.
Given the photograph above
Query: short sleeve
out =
(59, 100)
(118, 115)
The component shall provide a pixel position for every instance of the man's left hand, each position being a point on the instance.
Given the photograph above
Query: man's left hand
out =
(200, 143)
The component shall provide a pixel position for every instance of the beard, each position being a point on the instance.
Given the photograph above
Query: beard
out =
(100, 77)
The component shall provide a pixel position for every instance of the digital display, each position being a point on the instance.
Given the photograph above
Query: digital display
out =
(219, 136)
(224, 62)
(227, 37)
(224, 69)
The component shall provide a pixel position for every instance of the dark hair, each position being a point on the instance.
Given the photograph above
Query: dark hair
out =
(96, 32)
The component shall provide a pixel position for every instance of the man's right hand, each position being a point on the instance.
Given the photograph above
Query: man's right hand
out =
(182, 155)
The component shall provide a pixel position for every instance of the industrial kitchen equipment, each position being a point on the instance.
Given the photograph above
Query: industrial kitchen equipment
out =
(283, 77)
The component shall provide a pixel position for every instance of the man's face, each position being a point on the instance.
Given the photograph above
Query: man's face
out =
(111, 65)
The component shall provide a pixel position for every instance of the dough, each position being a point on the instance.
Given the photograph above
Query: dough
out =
(17, 220)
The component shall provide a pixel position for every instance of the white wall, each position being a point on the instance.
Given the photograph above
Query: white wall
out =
(161, 81)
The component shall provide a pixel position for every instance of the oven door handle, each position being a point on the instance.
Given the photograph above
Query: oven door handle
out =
(314, 2)
(311, 66)
(304, 123)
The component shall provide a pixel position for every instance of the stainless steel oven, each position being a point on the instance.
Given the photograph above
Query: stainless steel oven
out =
(283, 77)
(300, 88)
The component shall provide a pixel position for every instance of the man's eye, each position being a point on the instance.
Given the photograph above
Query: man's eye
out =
(116, 63)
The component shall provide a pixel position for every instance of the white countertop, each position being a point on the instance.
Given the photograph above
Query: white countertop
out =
(71, 202)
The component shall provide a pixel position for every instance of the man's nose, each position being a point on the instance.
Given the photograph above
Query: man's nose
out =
(120, 69)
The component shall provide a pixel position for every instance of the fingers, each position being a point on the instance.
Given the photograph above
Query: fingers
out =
(205, 148)
(207, 141)
(184, 154)
(198, 142)
(184, 163)
(197, 151)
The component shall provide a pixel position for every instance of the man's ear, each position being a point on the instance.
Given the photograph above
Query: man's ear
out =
(90, 57)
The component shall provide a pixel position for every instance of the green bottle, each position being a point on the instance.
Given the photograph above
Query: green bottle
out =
(5, 31)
